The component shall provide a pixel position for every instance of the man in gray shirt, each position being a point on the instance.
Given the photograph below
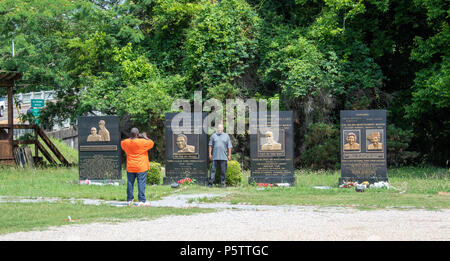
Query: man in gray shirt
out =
(219, 152)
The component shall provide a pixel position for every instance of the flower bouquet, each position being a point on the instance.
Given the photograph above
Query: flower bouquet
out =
(185, 181)
(267, 185)
(347, 184)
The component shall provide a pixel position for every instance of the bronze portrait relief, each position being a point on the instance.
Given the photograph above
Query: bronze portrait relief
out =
(351, 142)
(93, 137)
(182, 144)
(375, 141)
(102, 135)
(270, 144)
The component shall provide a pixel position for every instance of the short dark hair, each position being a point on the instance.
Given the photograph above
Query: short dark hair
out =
(134, 132)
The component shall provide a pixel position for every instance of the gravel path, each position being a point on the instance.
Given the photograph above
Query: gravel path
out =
(258, 223)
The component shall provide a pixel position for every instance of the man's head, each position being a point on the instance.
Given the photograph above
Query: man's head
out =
(181, 141)
(351, 138)
(134, 132)
(220, 128)
(101, 124)
(93, 131)
(374, 137)
(269, 137)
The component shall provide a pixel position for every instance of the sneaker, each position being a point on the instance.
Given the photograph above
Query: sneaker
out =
(209, 185)
(143, 204)
(129, 203)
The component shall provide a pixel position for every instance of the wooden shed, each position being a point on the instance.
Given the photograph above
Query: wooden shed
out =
(7, 80)
(7, 143)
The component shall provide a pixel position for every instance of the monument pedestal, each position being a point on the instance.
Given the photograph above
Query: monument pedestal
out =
(186, 152)
(272, 150)
(363, 146)
(199, 180)
(271, 179)
(103, 181)
(371, 180)
(99, 151)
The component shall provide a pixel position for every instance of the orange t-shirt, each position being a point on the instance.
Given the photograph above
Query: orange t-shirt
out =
(137, 155)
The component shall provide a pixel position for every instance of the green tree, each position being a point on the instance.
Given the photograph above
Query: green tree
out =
(221, 43)
(37, 29)
(132, 58)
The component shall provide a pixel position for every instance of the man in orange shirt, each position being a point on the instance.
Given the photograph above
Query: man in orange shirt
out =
(138, 164)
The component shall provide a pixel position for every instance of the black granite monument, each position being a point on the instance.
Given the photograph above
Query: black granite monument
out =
(363, 146)
(186, 150)
(272, 157)
(99, 151)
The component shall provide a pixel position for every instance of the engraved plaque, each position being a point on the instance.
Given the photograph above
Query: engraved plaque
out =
(98, 167)
(272, 150)
(363, 147)
(99, 150)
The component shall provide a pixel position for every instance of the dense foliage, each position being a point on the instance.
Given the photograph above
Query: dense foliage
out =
(322, 147)
(133, 58)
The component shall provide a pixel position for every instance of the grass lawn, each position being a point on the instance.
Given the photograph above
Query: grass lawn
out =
(63, 183)
(15, 217)
(412, 187)
(421, 184)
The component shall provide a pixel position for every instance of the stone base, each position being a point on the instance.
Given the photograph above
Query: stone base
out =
(371, 180)
(104, 181)
(272, 179)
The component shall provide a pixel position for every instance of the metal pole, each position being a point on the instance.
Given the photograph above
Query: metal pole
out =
(10, 114)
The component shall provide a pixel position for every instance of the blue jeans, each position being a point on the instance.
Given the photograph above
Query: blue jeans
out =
(223, 171)
(141, 178)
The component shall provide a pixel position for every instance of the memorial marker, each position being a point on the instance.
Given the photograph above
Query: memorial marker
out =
(99, 150)
(272, 158)
(186, 154)
(363, 146)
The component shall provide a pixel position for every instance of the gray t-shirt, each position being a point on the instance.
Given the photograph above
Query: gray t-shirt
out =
(220, 143)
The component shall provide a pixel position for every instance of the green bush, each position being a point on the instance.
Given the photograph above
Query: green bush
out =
(154, 175)
(234, 173)
(322, 147)
(398, 141)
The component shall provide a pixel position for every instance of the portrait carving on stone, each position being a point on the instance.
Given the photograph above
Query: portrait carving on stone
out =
(375, 141)
(351, 142)
(102, 135)
(270, 144)
(93, 137)
(103, 132)
(182, 144)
